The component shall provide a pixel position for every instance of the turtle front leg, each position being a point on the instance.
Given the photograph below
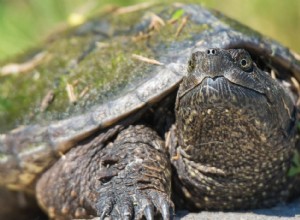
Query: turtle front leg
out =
(126, 179)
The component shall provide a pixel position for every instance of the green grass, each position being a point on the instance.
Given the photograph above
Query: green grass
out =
(24, 23)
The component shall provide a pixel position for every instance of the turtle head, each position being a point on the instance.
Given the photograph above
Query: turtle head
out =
(227, 105)
(228, 70)
(235, 65)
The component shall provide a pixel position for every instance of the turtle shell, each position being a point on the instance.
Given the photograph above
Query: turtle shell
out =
(108, 72)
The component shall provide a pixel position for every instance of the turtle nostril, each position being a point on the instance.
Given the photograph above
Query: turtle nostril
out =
(211, 52)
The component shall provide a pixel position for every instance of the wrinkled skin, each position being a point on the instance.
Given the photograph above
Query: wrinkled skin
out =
(231, 144)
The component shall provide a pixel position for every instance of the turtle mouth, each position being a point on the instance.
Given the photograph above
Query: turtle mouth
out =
(224, 86)
(219, 89)
(214, 81)
(214, 87)
(222, 82)
(215, 84)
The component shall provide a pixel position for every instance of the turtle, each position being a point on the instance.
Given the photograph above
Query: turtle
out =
(200, 113)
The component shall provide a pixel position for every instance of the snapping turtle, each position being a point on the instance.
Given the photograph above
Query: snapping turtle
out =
(214, 113)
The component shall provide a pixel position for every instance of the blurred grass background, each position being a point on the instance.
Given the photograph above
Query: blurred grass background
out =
(24, 23)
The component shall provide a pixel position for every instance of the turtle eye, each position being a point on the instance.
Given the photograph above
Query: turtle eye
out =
(246, 63)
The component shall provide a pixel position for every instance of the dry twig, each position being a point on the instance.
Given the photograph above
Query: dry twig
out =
(181, 26)
(146, 60)
(47, 100)
(84, 92)
(14, 68)
(133, 8)
(71, 93)
(156, 22)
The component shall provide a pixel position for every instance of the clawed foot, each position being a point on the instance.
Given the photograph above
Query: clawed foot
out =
(135, 178)
(142, 203)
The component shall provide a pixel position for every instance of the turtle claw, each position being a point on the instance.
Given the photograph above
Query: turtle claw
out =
(167, 211)
(148, 203)
(127, 210)
(103, 215)
(149, 211)
(105, 207)
(164, 205)
(158, 204)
